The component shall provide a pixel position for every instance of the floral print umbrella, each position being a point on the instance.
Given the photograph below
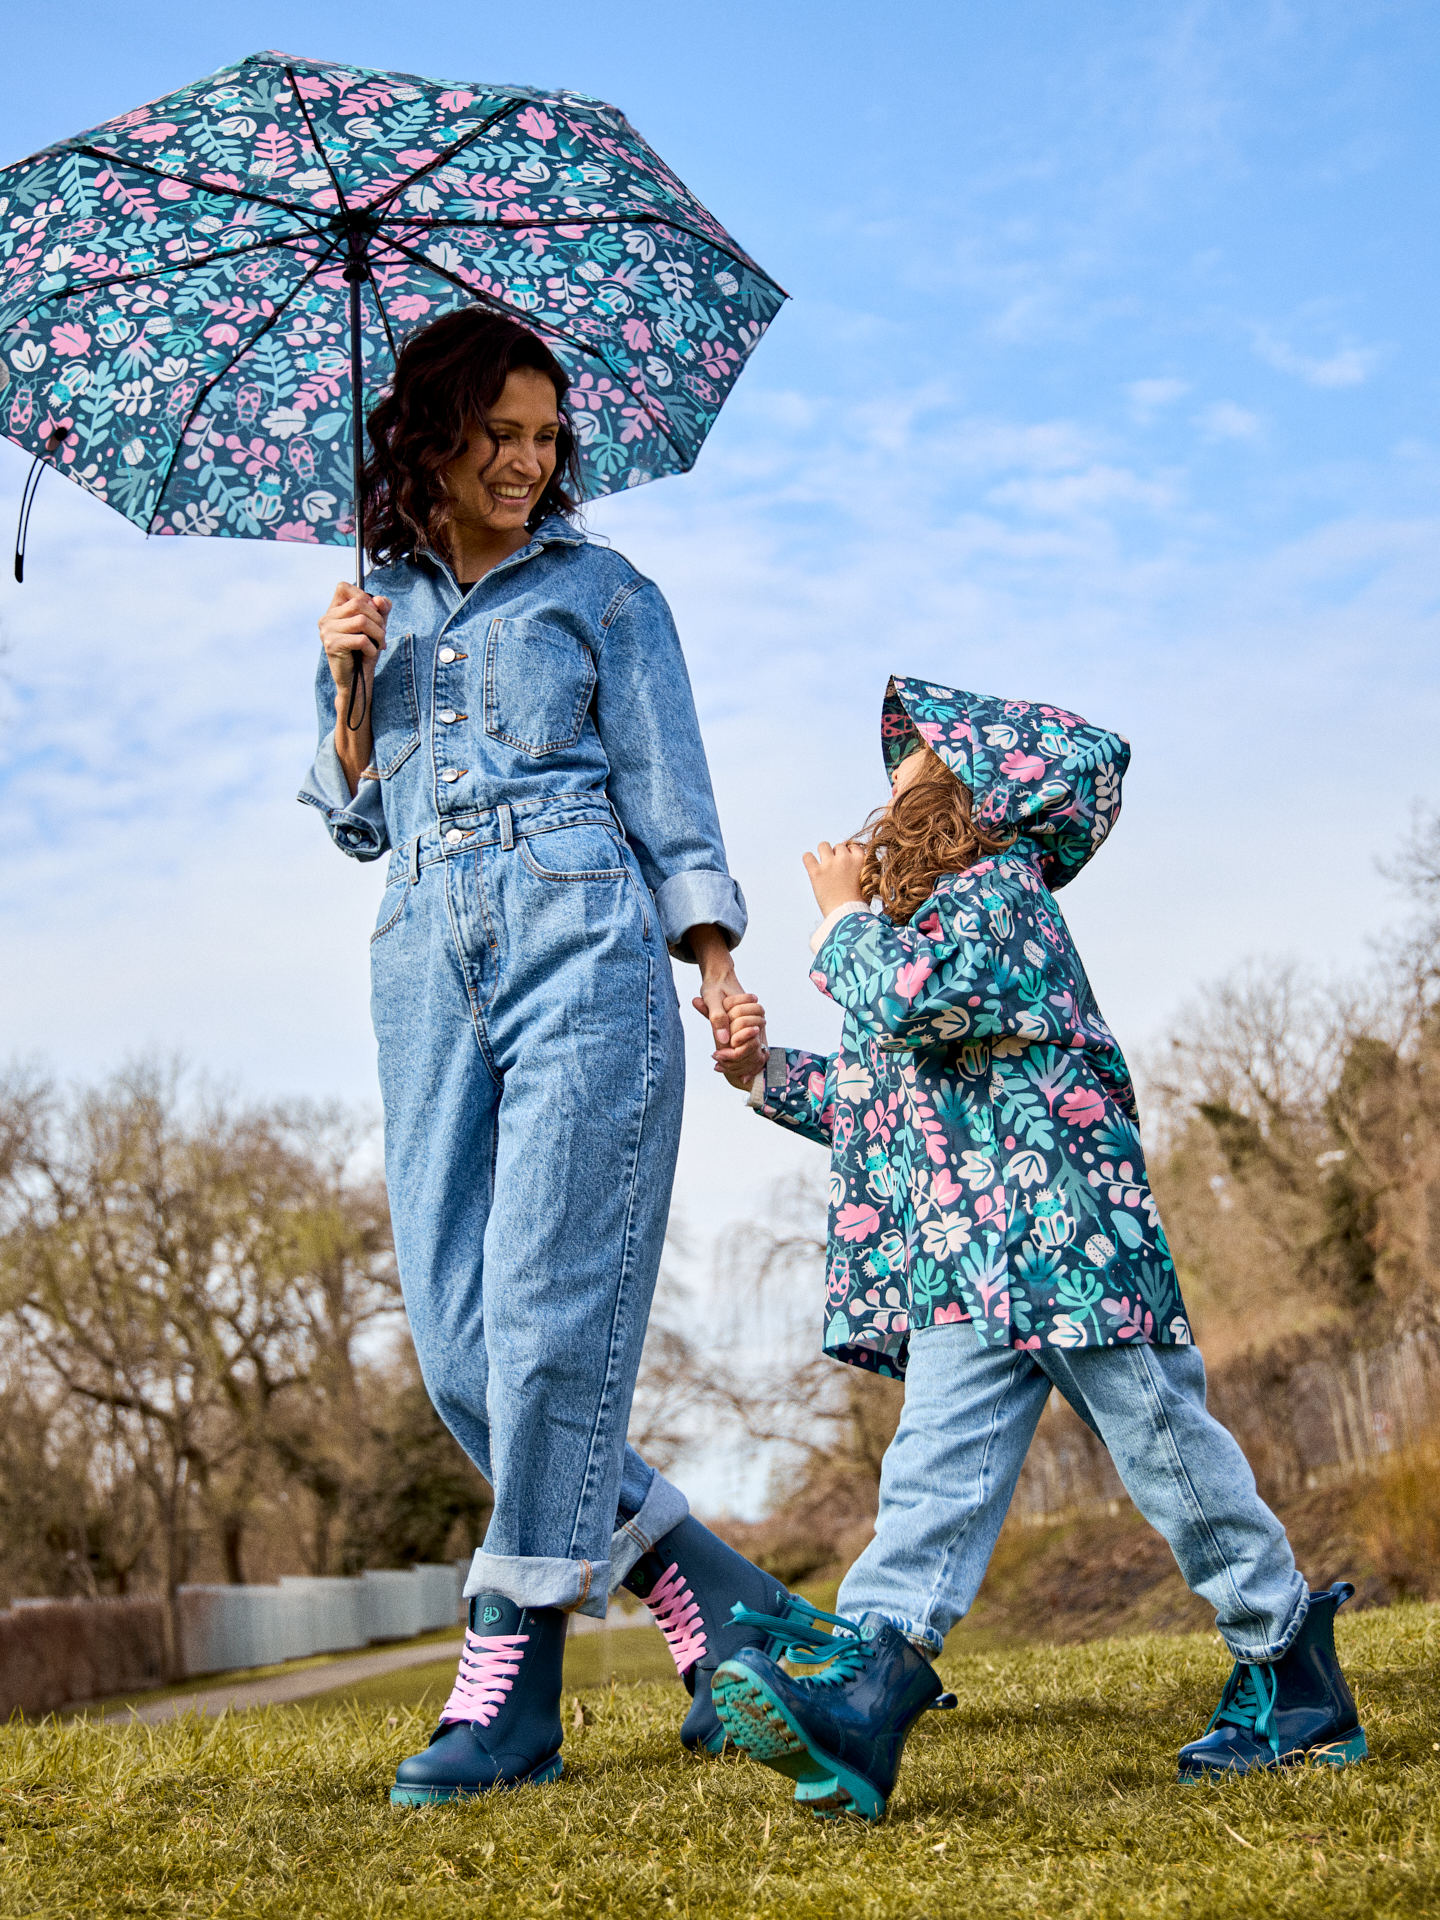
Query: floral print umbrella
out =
(188, 292)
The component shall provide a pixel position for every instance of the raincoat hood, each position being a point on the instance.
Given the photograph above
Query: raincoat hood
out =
(1047, 773)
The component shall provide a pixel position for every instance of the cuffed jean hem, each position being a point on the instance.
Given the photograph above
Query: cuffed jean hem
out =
(924, 1639)
(1265, 1655)
(575, 1586)
(665, 1507)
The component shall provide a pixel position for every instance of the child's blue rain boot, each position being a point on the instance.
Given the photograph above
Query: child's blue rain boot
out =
(837, 1733)
(690, 1580)
(501, 1725)
(1287, 1712)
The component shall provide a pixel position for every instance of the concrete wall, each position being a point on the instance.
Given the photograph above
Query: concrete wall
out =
(56, 1652)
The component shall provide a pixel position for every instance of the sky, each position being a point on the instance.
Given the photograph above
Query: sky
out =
(1108, 379)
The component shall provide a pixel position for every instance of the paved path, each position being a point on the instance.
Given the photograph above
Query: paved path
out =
(279, 1688)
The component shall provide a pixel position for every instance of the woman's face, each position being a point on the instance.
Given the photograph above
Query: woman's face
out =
(496, 482)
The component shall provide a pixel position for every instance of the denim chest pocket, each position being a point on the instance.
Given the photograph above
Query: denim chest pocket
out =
(538, 683)
(395, 711)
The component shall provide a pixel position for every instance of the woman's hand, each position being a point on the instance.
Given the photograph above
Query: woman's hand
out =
(353, 623)
(835, 873)
(717, 985)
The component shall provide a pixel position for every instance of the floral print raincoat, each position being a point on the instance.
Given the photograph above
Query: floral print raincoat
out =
(985, 1158)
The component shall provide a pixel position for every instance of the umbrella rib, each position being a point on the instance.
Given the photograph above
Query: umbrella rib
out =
(154, 273)
(444, 159)
(235, 358)
(200, 186)
(324, 158)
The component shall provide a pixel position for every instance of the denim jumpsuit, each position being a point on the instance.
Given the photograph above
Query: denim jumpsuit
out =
(540, 785)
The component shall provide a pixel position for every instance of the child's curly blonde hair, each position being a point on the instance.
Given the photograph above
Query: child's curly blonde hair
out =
(927, 830)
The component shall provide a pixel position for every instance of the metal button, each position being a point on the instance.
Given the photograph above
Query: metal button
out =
(448, 715)
(451, 777)
(446, 655)
(454, 835)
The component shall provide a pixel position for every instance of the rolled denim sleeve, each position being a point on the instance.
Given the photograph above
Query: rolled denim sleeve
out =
(356, 826)
(659, 780)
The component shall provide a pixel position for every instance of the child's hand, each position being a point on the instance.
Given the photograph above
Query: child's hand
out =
(746, 1054)
(835, 873)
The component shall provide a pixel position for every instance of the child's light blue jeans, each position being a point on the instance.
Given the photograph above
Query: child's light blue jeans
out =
(948, 1477)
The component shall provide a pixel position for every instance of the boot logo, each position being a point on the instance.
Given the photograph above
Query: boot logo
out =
(491, 1614)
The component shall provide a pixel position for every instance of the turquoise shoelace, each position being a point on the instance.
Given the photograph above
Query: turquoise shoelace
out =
(1249, 1704)
(833, 1650)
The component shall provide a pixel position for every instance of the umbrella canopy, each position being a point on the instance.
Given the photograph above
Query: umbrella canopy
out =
(188, 292)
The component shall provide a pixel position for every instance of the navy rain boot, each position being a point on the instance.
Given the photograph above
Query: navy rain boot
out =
(838, 1733)
(501, 1725)
(690, 1580)
(1285, 1713)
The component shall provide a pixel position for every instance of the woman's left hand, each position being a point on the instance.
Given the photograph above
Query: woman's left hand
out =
(718, 983)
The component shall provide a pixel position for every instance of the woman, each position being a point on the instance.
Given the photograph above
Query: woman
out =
(530, 758)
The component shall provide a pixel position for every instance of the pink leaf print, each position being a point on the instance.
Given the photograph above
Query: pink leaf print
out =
(911, 977)
(297, 530)
(157, 130)
(173, 190)
(856, 1222)
(312, 87)
(1082, 1107)
(1022, 766)
(945, 1190)
(409, 306)
(819, 980)
(223, 334)
(637, 335)
(414, 158)
(274, 148)
(537, 124)
(456, 101)
(69, 337)
(1032, 1345)
(946, 1316)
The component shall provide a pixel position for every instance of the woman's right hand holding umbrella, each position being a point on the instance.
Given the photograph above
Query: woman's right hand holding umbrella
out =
(353, 623)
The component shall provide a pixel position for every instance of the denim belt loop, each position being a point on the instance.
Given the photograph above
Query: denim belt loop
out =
(619, 823)
(507, 827)
(415, 861)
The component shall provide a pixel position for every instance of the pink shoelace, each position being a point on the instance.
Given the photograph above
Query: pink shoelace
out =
(677, 1614)
(488, 1666)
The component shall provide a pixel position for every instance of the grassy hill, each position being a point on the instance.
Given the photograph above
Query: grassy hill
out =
(1050, 1792)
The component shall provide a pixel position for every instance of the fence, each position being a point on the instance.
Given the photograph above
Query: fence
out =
(56, 1652)
(1304, 1421)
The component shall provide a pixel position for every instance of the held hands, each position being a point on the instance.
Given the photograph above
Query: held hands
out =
(835, 873)
(739, 1053)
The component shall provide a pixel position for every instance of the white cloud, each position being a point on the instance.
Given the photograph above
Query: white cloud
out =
(1224, 420)
(1346, 367)
(1147, 397)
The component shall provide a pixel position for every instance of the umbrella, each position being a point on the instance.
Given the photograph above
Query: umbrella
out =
(195, 296)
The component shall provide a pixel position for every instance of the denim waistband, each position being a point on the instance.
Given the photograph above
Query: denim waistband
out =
(499, 826)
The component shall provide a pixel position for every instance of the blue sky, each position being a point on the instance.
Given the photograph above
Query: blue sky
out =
(1109, 377)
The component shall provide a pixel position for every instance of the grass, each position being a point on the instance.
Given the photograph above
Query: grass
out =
(1050, 1792)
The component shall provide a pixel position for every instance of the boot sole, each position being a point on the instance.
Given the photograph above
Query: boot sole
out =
(419, 1796)
(1336, 1753)
(763, 1727)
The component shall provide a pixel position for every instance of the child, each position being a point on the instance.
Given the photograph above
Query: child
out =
(993, 1235)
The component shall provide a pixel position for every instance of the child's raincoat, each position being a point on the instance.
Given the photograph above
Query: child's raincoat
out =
(985, 1158)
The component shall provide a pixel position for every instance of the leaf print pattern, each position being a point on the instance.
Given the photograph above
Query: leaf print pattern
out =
(172, 290)
(976, 1074)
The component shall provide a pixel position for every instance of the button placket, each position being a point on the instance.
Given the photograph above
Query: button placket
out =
(446, 717)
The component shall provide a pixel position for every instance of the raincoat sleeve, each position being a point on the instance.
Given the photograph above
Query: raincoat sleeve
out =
(356, 826)
(799, 1093)
(659, 781)
(984, 959)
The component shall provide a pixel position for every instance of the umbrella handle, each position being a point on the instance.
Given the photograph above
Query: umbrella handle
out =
(353, 720)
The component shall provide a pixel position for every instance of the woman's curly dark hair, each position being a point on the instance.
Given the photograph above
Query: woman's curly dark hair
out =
(447, 377)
